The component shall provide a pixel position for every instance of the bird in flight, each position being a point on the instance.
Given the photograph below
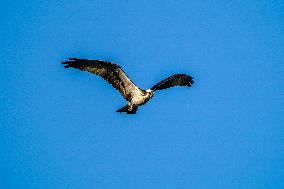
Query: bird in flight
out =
(113, 73)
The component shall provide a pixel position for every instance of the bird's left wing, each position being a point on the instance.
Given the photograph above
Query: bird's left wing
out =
(109, 71)
(174, 80)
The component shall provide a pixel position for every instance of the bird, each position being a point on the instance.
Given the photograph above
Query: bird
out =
(114, 75)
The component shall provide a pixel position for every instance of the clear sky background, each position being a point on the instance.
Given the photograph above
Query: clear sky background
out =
(59, 128)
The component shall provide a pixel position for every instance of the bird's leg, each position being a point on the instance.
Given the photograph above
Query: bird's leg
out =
(130, 106)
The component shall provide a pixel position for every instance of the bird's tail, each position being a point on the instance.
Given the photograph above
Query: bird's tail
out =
(129, 109)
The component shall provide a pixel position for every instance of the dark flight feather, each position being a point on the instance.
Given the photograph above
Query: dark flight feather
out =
(109, 71)
(174, 80)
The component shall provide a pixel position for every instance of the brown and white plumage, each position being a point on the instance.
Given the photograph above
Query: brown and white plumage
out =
(119, 80)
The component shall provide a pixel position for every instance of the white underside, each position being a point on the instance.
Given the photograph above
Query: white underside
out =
(139, 98)
(137, 95)
(137, 101)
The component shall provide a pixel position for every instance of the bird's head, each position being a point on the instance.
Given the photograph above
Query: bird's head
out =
(150, 92)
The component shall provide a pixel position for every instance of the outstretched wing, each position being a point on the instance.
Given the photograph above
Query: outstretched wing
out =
(109, 71)
(174, 80)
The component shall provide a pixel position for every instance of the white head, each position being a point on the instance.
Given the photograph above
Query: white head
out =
(150, 92)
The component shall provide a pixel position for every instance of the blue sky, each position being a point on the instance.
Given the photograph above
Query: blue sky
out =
(59, 128)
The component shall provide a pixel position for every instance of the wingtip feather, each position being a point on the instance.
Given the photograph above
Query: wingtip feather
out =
(190, 81)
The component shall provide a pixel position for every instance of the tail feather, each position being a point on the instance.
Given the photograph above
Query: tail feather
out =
(129, 109)
(123, 109)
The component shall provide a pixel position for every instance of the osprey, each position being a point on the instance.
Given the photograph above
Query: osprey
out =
(118, 79)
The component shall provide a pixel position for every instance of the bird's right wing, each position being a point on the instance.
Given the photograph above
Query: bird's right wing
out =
(174, 80)
(109, 71)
